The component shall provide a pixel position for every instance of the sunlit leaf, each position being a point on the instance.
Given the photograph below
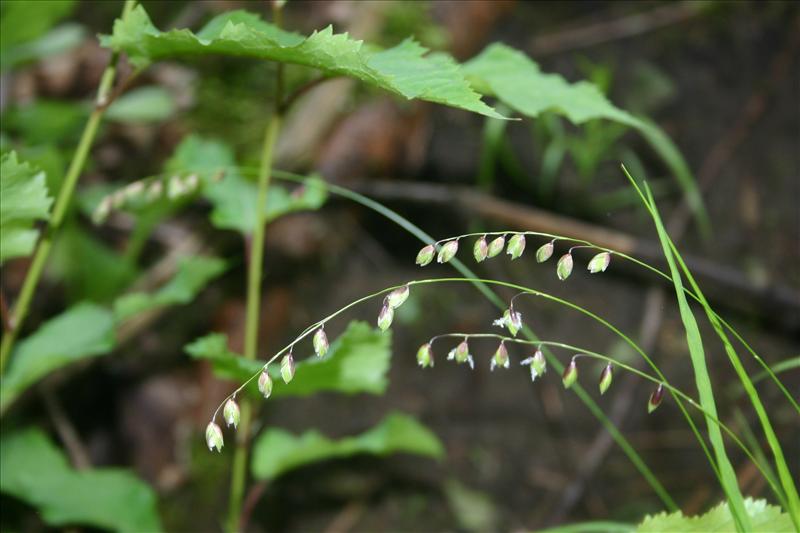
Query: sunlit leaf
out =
(226, 364)
(405, 70)
(277, 451)
(24, 200)
(763, 518)
(517, 81)
(33, 470)
(357, 361)
(82, 331)
(193, 274)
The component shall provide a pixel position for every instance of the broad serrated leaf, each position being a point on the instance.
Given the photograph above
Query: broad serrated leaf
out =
(277, 451)
(405, 70)
(23, 200)
(357, 361)
(517, 81)
(82, 331)
(33, 470)
(234, 197)
(763, 518)
(193, 274)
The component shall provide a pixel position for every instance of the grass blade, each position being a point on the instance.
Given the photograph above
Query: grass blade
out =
(702, 379)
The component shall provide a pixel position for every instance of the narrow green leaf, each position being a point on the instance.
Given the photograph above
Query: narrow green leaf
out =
(33, 470)
(763, 518)
(82, 331)
(193, 274)
(405, 70)
(518, 82)
(703, 381)
(25, 200)
(277, 451)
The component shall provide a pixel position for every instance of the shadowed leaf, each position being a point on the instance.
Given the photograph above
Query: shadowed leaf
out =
(277, 451)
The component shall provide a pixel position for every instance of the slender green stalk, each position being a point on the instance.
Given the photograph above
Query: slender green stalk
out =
(670, 250)
(34, 274)
(254, 269)
(704, 387)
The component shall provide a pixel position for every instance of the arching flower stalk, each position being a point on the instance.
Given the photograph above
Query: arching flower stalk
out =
(483, 249)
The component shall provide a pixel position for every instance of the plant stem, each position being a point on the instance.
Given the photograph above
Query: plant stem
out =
(254, 268)
(63, 200)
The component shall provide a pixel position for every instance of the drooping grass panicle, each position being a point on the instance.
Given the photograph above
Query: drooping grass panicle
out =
(484, 288)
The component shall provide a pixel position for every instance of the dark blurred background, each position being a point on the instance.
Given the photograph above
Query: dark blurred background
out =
(721, 78)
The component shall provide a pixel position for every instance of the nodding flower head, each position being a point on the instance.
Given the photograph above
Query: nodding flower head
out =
(425, 256)
(496, 246)
(564, 266)
(287, 368)
(570, 374)
(231, 413)
(265, 383)
(425, 355)
(397, 297)
(516, 245)
(447, 251)
(320, 342)
(544, 252)
(385, 317)
(513, 321)
(599, 263)
(500, 357)
(214, 437)
(481, 249)
(605, 378)
(461, 354)
(655, 398)
(537, 363)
